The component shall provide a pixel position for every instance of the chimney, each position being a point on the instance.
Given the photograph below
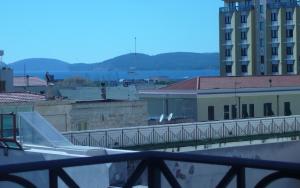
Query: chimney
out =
(103, 90)
(27, 80)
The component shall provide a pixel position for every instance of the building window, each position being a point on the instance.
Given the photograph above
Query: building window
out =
(268, 109)
(289, 33)
(243, 35)
(274, 34)
(227, 52)
(244, 68)
(244, 52)
(227, 20)
(274, 68)
(251, 110)
(228, 36)
(244, 111)
(261, 26)
(2, 86)
(211, 113)
(262, 59)
(289, 50)
(290, 68)
(274, 50)
(226, 112)
(274, 16)
(261, 42)
(243, 19)
(261, 9)
(287, 109)
(289, 15)
(233, 112)
(228, 69)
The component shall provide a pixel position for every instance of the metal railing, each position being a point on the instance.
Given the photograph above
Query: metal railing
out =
(236, 8)
(186, 133)
(154, 163)
(279, 5)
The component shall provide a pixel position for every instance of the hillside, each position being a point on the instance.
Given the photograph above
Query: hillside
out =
(166, 61)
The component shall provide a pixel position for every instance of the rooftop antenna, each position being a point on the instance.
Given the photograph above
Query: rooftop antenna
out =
(170, 116)
(135, 46)
(161, 118)
(1, 55)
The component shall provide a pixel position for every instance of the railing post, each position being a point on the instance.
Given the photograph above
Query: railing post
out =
(196, 134)
(154, 176)
(223, 131)
(89, 138)
(210, 132)
(236, 129)
(106, 139)
(153, 135)
(138, 137)
(283, 125)
(272, 126)
(122, 138)
(72, 141)
(168, 135)
(53, 183)
(182, 133)
(240, 179)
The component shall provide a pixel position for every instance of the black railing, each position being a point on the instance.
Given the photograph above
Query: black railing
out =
(155, 163)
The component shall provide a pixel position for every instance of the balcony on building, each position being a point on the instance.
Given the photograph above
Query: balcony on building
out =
(274, 24)
(244, 60)
(290, 23)
(228, 27)
(228, 43)
(275, 59)
(290, 58)
(290, 66)
(239, 7)
(289, 40)
(288, 4)
(244, 43)
(275, 41)
(228, 60)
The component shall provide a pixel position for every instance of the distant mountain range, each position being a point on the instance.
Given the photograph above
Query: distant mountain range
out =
(128, 62)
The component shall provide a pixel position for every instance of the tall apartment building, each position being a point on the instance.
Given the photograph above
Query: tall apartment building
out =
(259, 37)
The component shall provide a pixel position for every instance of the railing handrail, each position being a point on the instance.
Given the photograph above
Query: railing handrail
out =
(179, 124)
(152, 155)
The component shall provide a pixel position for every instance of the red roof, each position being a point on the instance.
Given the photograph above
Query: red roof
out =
(20, 97)
(32, 81)
(200, 83)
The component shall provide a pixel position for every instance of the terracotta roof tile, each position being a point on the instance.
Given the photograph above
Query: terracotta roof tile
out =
(202, 83)
(33, 81)
(20, 97)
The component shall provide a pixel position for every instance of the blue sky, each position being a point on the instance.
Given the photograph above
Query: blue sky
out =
(95, 30)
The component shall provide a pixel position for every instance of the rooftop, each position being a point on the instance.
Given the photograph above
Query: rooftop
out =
(32, 81)
(20, 97)
(206, 83)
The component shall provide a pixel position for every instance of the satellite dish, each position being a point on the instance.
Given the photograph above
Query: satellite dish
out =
(170, 116)
(161, 118)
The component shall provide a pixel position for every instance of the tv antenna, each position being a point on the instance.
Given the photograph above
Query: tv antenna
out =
(170, 116)
(161, 118)
(1, 55)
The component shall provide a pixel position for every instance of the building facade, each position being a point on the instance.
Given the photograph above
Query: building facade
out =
(259, 37)
(225, 98)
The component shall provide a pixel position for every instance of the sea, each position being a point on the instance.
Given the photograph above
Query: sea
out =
(118, 75)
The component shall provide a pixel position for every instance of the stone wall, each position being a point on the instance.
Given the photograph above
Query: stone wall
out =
(96, 115)
(75, 116)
